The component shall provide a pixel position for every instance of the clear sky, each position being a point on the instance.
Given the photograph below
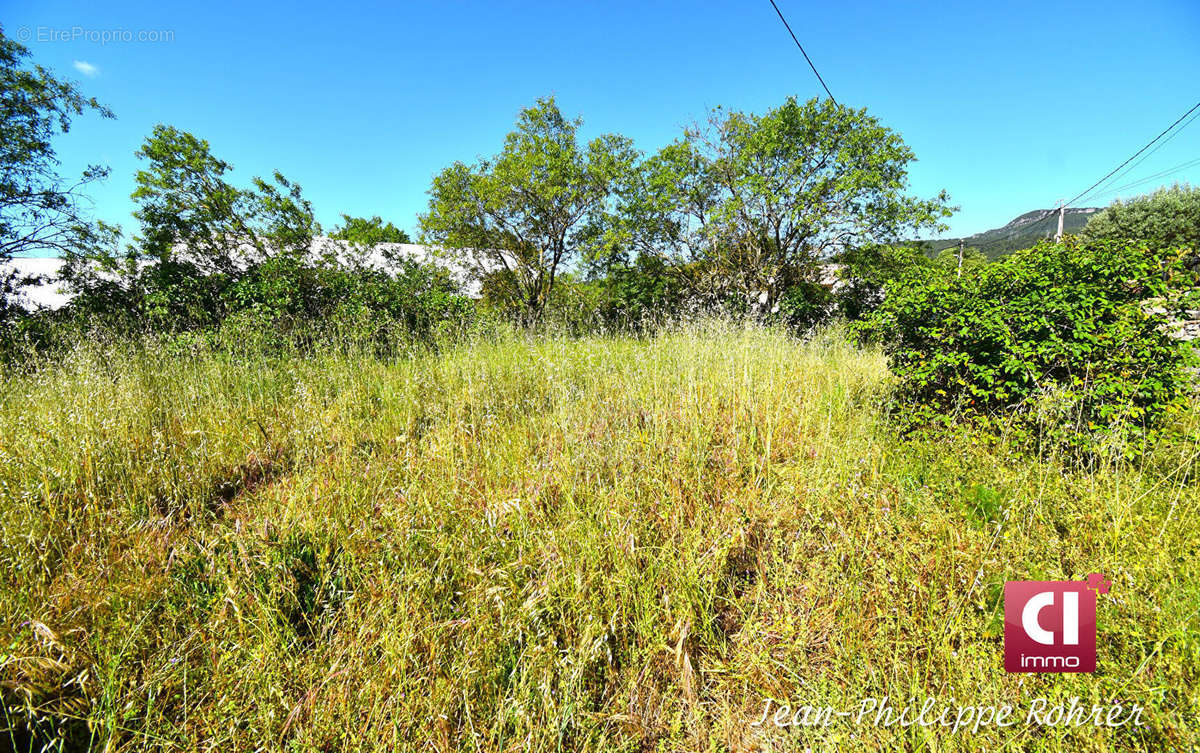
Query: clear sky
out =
(1010, 106)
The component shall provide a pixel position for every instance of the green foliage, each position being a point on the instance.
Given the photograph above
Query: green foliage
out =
(418, 296)
(1061, 340)
(867, 271)
(527, 213)
(644, 292)
(200, 240)
(364, 232)
(1167, 218)
(804, 304)
(972, 260)
(734, 217)
(190, 214)
(983, 504)
(39, 211)
(759, 200)
(209, 250)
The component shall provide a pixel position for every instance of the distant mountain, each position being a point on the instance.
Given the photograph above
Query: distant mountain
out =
(1023, 232)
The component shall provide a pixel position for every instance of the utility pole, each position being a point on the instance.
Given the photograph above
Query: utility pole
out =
(960, 252)
(1062, 208)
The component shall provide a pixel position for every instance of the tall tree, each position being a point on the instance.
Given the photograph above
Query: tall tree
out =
(198, 234)
(523, 215)
(759, 200)
(189, 211)
(39, 210)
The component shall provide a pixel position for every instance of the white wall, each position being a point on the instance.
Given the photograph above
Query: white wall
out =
(48, 295)
(35, 296)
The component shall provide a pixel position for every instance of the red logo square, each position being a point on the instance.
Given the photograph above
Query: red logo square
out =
(1050, 625)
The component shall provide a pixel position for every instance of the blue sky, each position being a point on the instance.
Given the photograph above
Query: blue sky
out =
(1009, 106)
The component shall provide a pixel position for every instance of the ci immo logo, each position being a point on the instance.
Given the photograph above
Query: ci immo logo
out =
(1050, 625)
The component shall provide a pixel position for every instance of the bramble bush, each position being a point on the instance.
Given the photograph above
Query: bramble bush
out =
(1065, 343)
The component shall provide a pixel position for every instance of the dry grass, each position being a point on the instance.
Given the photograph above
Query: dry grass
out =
(549, 544)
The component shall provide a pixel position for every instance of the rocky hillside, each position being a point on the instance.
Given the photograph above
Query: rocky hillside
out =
(1022, 232)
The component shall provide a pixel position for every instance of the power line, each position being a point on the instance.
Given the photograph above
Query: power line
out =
(1149, 178)
(1104, 190)
(787, 26)
(1135, 154)
(1051, 213)
(1161, 174)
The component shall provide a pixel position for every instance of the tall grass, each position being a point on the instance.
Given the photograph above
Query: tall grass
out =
(548, 543)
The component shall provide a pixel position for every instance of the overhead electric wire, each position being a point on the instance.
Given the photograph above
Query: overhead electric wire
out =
(1103, 190)
(1160, 174)
(788, 26)
(1088, 190)
(1047, 214)
(1051, 213)
(1147, 179)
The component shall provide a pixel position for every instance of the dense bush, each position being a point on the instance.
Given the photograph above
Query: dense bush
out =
(418, 296)
(209, 251)
(647, 290)
(176, 297)
(1166, 218)
(1064, 342)
(867, 271)
(805, 304)
(368, 232)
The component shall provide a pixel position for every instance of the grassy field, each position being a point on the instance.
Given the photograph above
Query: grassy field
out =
(551, 544)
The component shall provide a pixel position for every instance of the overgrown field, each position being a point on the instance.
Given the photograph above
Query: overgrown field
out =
(551, 544)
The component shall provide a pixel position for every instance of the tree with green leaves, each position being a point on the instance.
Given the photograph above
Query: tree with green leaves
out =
(665, 213)
(1167, 218)
(200, 236)
(207, 238)
(521, 217)
(368, 232)
(189, 211)
(759, 200)
(39, 210)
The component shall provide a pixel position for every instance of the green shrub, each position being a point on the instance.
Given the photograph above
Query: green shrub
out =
(804, 305)
(417, 296)
(1165, 218)
(1064, 342)
(174, 297)
(648, 290)
(868, 270)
